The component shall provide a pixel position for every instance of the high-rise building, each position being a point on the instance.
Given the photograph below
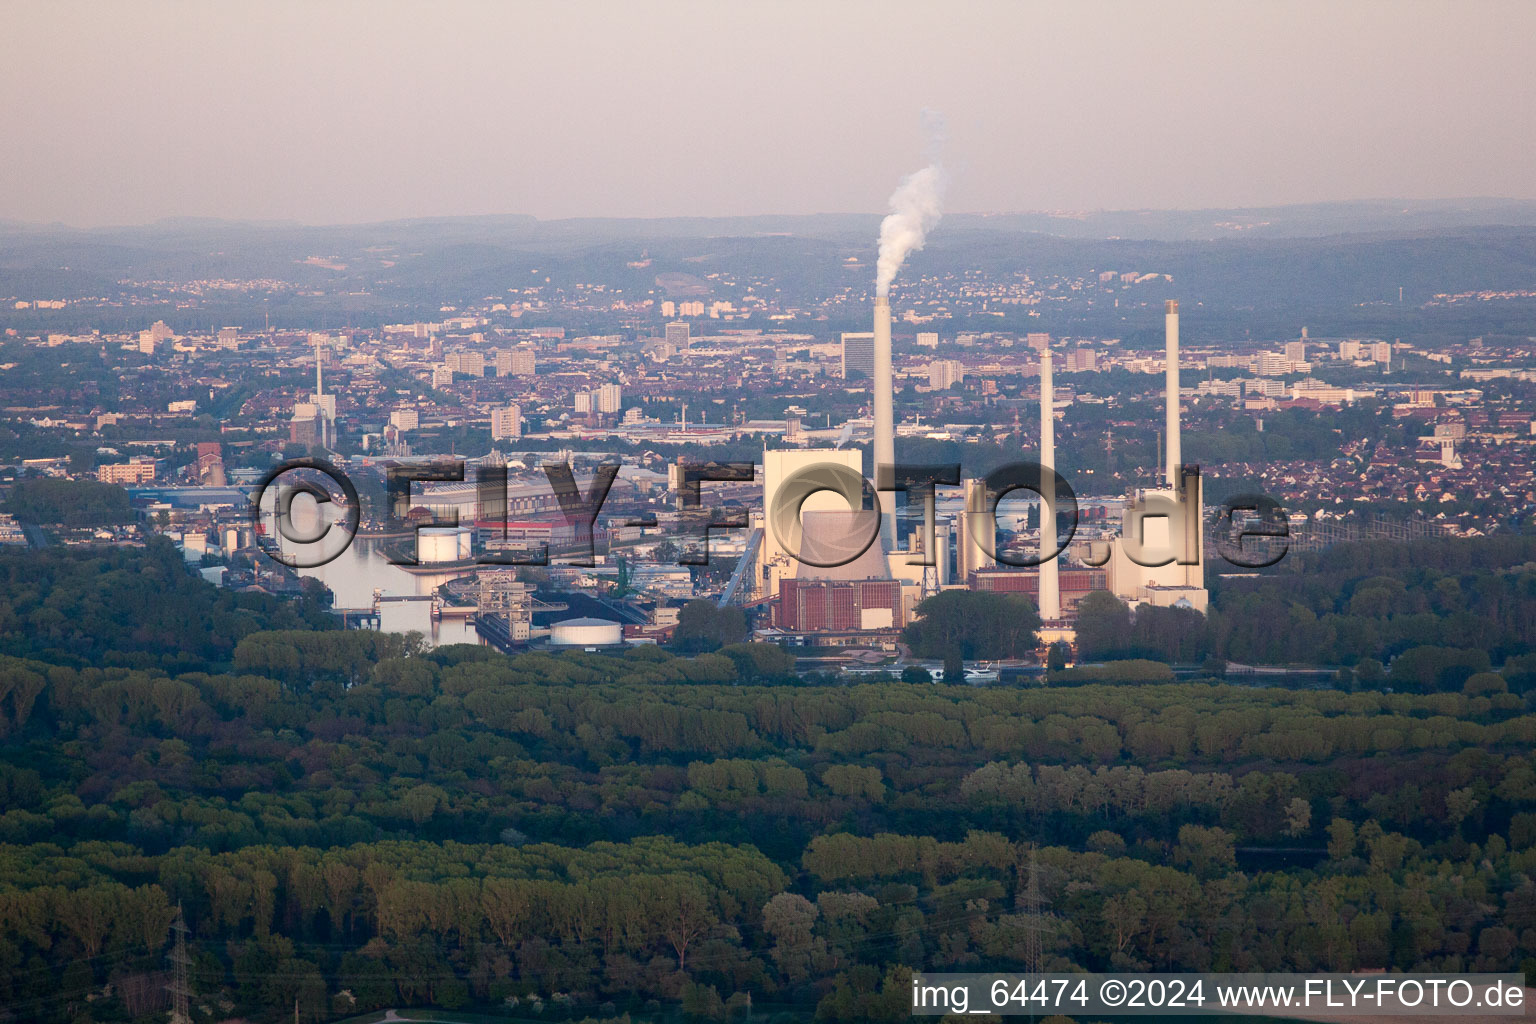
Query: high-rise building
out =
(859, 354)
(677, 335)
(609, 398)
(506, 424)
(943, 373)
(927, 339)
(582, 402)
(1296, 351)
(442, 375)
(405, 419)
(469, 363)
(1082, 360)
(1349, 350)
(151, 339)
(1381, 352)
(524, 363)
(310, 426)
(1271, 364)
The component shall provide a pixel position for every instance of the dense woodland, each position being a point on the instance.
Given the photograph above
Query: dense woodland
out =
(44, 499)
(354, 822)
(1453, 607)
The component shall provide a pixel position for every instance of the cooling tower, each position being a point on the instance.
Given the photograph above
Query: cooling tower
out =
(830, 545)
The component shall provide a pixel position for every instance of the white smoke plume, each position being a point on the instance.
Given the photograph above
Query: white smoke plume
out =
(916, 206)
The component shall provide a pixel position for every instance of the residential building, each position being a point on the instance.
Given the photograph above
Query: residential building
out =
(507, 424)
(608, 399)
(138, 470)
(944, 373)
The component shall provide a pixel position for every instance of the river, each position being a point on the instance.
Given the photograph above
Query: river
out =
(353, 575)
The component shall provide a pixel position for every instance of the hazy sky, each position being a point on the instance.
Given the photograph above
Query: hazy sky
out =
(326, 112)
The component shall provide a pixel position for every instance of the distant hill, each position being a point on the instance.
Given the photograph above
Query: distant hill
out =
(1308, 220)
(1334, 266)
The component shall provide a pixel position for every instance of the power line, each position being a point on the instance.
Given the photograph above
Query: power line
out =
(181, 993)
(1032, 903)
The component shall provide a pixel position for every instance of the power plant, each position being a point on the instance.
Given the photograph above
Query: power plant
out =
(1157, 559)
(812, 501)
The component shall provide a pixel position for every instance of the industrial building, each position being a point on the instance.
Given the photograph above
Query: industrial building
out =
(1074, 584)
(819, 605)
(586, 632)
(501, 596)
(1164, 524)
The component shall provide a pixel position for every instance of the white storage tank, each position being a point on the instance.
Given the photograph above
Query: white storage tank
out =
(439, 544)
(585, 633)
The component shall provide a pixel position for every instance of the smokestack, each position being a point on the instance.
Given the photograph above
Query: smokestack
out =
(885, 429)
(1050, 585)
(1171, 357)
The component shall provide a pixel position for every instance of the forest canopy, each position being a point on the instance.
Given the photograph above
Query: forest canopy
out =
(352, 821)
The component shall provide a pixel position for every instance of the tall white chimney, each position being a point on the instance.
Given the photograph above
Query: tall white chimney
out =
(1171, 357)
(885, 429)
(1050, 584)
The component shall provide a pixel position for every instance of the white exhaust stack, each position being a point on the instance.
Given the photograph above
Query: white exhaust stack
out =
(1171, 357)
(1050, 585)
(885, 429)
